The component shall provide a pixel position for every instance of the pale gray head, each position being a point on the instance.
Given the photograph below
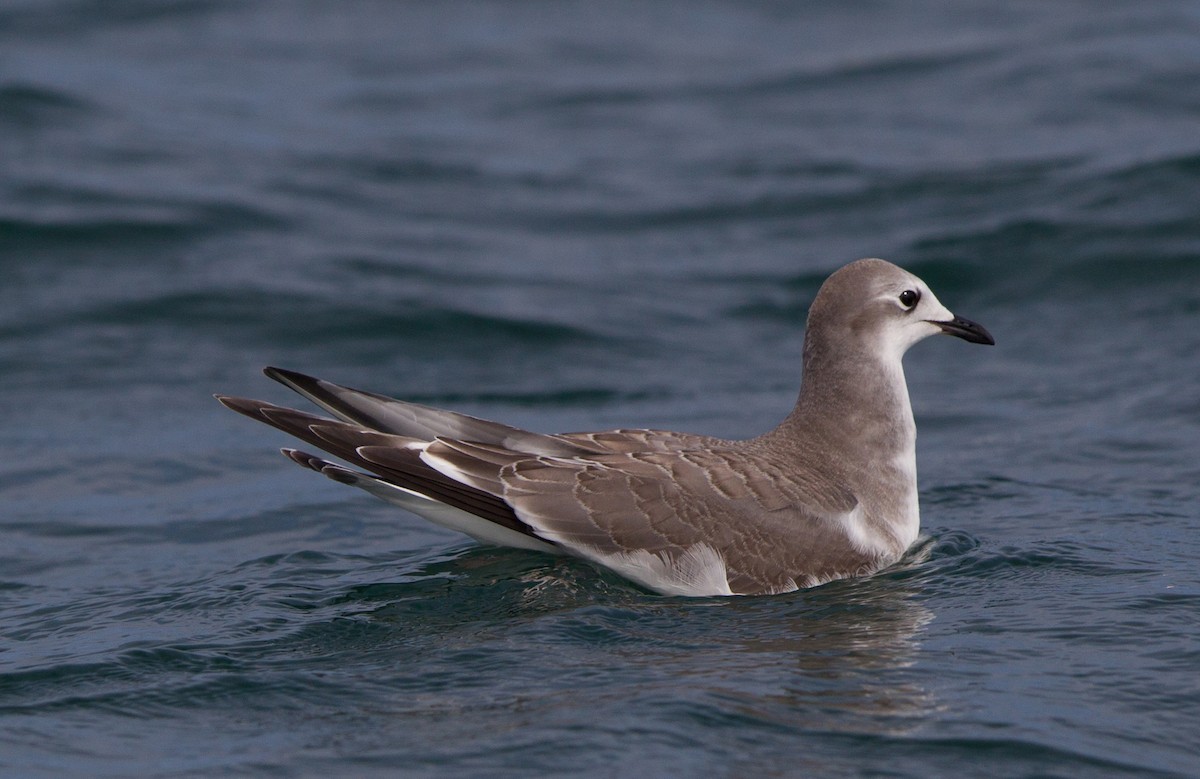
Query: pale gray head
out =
(874, 305)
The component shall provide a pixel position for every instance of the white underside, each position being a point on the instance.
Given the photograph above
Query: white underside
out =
(699, 571)
(452, 518)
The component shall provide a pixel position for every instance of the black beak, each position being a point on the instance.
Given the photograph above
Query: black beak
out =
(966, 330)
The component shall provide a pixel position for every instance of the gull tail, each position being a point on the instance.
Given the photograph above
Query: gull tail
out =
(404, 480)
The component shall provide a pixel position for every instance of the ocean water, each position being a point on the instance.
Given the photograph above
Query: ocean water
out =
(574, 216)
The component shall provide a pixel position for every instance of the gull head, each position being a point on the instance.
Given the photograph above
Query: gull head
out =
(874, 305)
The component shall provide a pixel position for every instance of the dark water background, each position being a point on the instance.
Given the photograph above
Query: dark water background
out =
(578, 216)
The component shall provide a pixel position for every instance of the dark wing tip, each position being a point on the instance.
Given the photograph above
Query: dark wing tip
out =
(284, 376)
(302, 458)
(324, 467)
(311, 387)
(247, 406)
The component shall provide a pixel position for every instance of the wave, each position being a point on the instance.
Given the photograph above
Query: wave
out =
(856, 71)
(31, 106)
(58, 18)
(111, 225)
(289, 319)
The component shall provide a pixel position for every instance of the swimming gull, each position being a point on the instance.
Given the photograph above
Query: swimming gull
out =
(828, 494)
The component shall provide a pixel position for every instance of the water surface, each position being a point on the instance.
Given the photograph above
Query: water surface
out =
(572, 216)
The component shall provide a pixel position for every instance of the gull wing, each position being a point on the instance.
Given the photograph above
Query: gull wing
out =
(690, 522)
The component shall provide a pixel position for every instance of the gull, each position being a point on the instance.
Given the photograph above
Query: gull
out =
(830, 493)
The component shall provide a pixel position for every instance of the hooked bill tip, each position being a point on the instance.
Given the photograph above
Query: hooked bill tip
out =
(967, 330)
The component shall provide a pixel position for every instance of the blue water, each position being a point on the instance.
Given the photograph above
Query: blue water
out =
(578, 216)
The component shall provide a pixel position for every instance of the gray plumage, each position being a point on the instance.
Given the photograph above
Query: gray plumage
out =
(829, 493)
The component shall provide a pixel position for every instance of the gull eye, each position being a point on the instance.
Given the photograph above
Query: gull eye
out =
(909, 298)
